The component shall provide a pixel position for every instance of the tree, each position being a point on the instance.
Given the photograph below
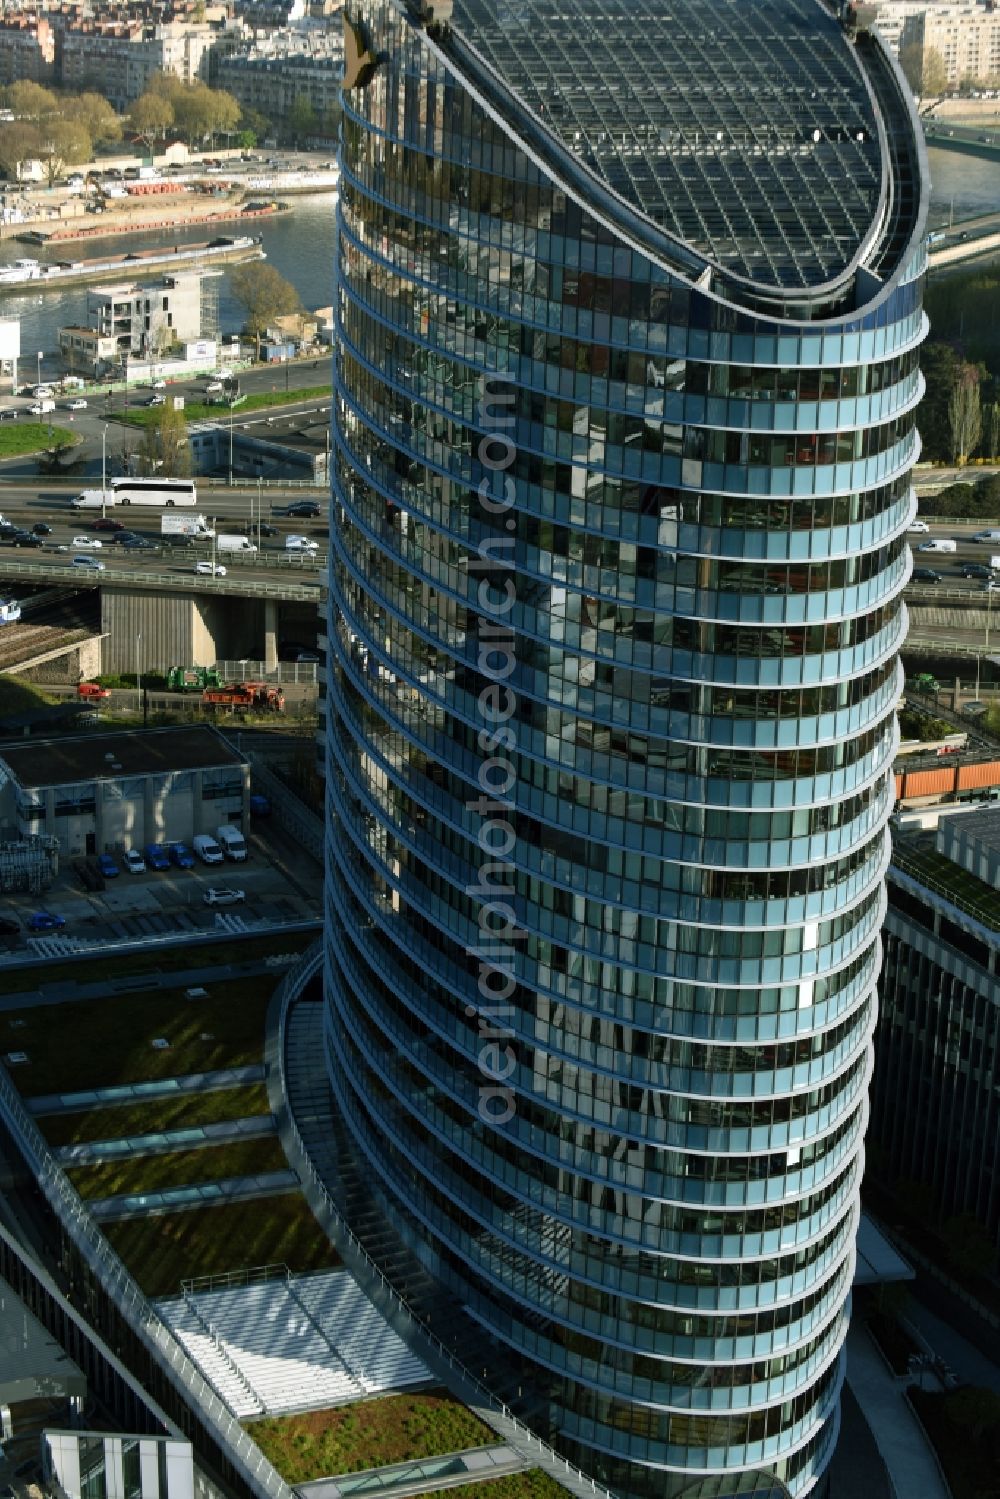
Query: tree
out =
(975, 1409)
(64, 142)
(992, 413)
(246, 140)
(164, 447)
(150, 117)
(29, 101)
(302, 119)
(96, 116)
(965, 414)
(934, 79)
(939, 364)
(18, 143)
(911, 60)
(265, 294)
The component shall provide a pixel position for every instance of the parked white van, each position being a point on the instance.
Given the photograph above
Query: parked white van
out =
(207, 849)
(232, 843)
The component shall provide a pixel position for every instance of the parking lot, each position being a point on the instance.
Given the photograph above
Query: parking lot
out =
(279, 882)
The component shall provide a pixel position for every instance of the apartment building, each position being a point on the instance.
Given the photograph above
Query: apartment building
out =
(120, 58)
(27, 49)
(276, 73)
(966, 36)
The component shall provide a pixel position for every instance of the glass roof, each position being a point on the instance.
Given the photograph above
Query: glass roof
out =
(742, 127)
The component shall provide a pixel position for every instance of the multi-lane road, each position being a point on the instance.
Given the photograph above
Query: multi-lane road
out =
(237, 510)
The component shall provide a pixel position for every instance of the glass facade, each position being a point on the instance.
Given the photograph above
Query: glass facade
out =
(617, 559)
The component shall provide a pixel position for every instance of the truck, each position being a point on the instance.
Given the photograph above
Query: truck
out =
(92, 499)
(252, 696)
(234, 544)
(10, 611)
(172, 524)
(230, 839)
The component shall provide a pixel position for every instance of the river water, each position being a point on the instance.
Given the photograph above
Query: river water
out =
(300, 245)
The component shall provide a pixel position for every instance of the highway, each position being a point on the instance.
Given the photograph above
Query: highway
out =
(236, 510)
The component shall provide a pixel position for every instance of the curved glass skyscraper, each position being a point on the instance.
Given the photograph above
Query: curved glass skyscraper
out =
(628, 299)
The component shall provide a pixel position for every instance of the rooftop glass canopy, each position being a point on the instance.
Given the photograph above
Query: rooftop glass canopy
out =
(742, 127)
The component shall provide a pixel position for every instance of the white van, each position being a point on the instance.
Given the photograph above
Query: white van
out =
(940, 544)
(207, 849)
(992, 537)
(232, 843)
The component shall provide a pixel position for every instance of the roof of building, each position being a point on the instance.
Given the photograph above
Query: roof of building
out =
(746, 130)
(100, 757)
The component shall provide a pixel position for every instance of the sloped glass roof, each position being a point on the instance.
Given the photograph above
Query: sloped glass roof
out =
(742, 127)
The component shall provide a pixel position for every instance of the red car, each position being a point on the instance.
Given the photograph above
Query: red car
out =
(92, 690)
(105, 523)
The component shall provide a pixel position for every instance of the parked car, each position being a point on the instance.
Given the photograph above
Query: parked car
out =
(134, 862)
(91, 562)
(46, 921)
(305, 509)
(159, 384)
(157, 400)
(107, 866)
(224, 895)
(92, 690)
(87, 543)
(79, 404)
(210, 569)
(156, 856)
(213, 388)
(975, 708)
(106, 523)
(181, 855)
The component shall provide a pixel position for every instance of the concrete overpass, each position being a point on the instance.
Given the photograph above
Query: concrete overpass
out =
(156, 619)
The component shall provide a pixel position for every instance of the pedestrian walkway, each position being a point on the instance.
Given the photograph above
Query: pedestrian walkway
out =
(163, 1087)
(184, 1199)
(194, 1137)
(898, 1434)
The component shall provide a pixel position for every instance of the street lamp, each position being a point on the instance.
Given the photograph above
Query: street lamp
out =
(138, 673)
(231, 404)
(38, 372)
(104, 470)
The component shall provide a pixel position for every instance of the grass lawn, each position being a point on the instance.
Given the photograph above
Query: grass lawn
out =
(532, 1484)
(107, 1041)
(318, 1444)
(20, 437)
(200, 411)
(18, 697)
(178, 956)
(178, 1168)
(181, 1112)
(161, 1252)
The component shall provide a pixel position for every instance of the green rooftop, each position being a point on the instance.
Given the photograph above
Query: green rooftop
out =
(917, 856)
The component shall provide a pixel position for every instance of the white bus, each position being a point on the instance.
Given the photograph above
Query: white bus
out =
(161, 492)
(153, 491)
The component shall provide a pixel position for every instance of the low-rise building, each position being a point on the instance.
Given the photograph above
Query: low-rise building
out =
(934, 1133)
(150, 322)
(111, 792)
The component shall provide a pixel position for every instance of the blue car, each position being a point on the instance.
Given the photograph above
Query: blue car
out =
(156, 856)
(181, 856)
(107, 866)
(46, 921)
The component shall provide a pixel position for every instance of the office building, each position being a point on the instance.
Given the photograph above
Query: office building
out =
(935, 1126)
(629, 305)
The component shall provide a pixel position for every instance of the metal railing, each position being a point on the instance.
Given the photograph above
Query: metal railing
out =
(328, 1213)
(122, 1291)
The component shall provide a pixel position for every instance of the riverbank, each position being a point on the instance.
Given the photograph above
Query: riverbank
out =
(145, 217)
(42, 277)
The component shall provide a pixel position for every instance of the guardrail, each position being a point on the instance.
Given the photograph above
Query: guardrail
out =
(953, 591)
(206, 1406)
(81, 577)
